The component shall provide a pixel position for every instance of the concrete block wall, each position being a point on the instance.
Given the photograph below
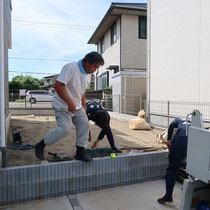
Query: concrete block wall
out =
(30, 111)
(27, 183)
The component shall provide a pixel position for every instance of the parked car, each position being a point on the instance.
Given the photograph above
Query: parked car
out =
(38, 95)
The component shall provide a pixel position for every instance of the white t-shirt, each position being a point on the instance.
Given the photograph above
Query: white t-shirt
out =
(75, 81)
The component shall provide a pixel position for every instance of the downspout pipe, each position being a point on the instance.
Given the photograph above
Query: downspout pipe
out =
(149, 2)
(2, 89)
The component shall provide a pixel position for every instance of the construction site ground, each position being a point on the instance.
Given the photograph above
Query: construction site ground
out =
(33, 128)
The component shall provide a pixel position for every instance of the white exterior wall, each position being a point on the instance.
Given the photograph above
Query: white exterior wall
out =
(111, 54)
(7, 44)
(5, 37)
(179, 60)
(133, 49)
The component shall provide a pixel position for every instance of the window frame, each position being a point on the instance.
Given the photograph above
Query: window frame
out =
(102, 45)
(113, 33)
(105, 77)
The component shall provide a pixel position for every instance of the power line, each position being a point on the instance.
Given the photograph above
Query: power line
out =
(21, 58)
(44, 55)
(45, 51)
(53, 25)
(24, 72)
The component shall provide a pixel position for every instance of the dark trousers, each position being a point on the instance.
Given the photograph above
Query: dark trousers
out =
(177, 153)
(110, 137)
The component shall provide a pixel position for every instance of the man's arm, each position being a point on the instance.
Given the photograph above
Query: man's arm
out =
(84, 102)
(174, 124)
(61, 90)
(100, 137)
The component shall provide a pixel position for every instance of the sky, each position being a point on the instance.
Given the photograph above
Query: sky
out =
(47, 34)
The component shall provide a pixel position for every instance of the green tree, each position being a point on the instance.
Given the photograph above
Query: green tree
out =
(26, 82)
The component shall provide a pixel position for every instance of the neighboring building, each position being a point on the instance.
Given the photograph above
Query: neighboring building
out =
(121, 39)
(179, 64)
(49, 82)
(5, 43)
(92, 82)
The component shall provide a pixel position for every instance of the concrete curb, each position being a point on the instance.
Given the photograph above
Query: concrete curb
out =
(27, 183)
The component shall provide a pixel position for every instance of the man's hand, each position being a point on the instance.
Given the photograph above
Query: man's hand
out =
(61, 90)
(95, 143)
(168, 143)
(72, 107)
(89, 138)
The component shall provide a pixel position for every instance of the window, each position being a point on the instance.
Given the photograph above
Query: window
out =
(116, 70)
(113, 33)
(142, 27)
(102, 45)
(105, 79)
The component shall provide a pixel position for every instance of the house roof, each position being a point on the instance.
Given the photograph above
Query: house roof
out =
(115, 10)
(51, 76)
(131, 5)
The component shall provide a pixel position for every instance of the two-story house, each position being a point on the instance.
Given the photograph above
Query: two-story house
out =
(121, 39)
(5, 43)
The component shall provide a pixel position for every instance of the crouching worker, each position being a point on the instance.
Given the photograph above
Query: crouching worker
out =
(177, 152)
(69, 104)
(100, 116)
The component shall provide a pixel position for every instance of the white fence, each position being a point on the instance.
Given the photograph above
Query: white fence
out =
(160, 113)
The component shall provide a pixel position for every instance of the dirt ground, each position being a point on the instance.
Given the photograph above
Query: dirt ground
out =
(33, 128)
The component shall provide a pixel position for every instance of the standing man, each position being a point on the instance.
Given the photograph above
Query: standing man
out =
(100, 116)
(69, 104)
(177, 152)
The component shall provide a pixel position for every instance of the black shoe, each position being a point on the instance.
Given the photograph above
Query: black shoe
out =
(115, 150)
(80, 155)
(39, 150)
(83, 157)
(164, 199)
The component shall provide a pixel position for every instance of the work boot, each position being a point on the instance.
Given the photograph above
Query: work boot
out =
(39, 150)
(164, 199)
(115, 150)
(80, 155)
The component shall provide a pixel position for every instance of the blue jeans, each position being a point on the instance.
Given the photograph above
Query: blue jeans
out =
(64, 120)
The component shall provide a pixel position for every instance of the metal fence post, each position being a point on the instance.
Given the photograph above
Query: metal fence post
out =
(140, 102)
(25, 99)
(31, 101)
(105, 100)
(147, 110)
(168, 111)
(119, 103)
